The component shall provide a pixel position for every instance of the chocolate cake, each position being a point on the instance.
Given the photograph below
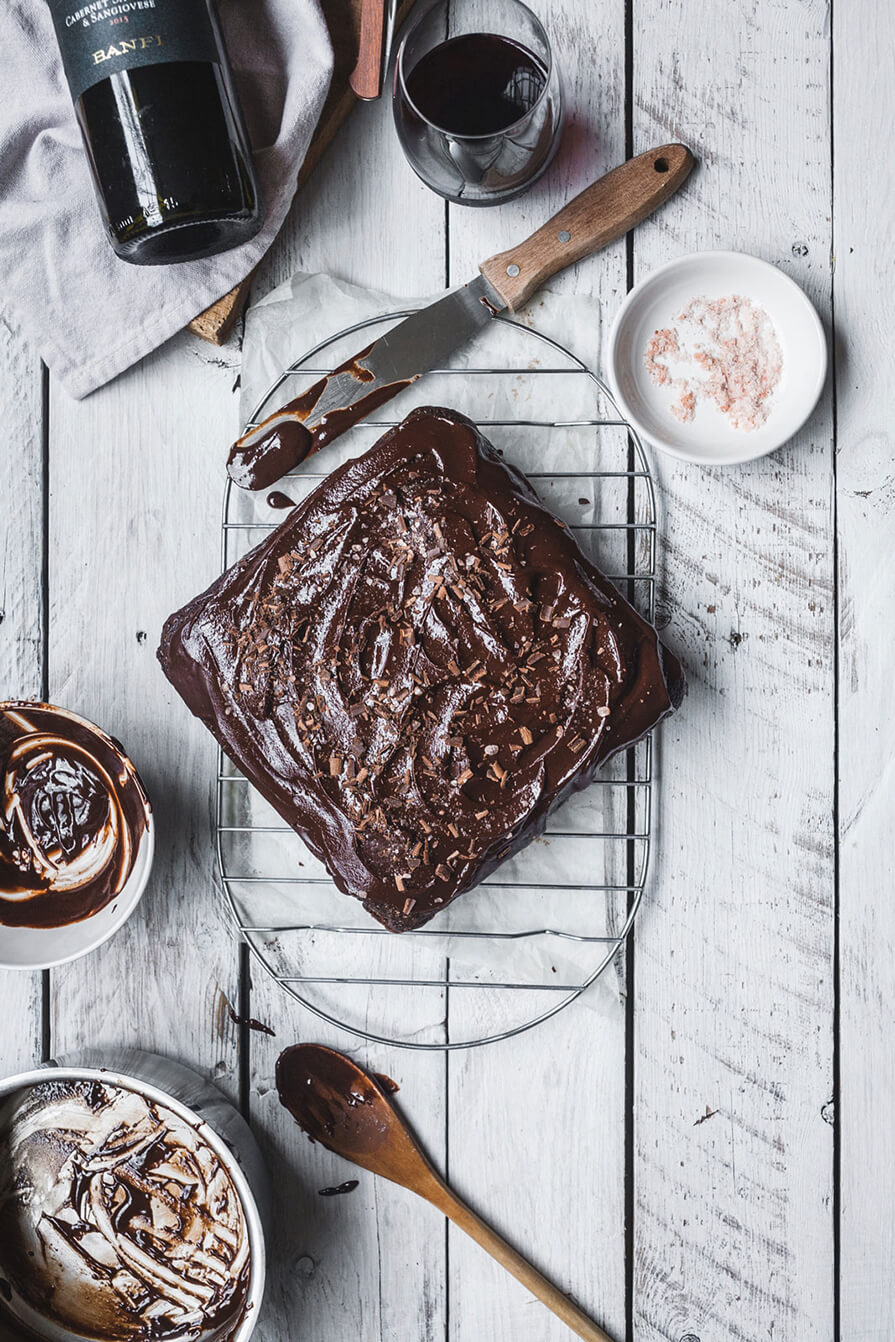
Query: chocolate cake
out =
(417, 666)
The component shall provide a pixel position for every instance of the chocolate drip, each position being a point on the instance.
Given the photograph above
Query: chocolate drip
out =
(260, 463)
(347, 1187)
(276, 499)
(336, 422)
(73, 815)
(249, 1021)
(264, 455)
(417, 666)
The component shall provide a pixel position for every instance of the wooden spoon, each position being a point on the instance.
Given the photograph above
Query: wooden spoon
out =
(348, 1111)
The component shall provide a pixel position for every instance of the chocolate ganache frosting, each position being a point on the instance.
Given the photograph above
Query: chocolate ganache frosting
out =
(417, 665)
(73, 814)
(280, 442)
(118, 1221)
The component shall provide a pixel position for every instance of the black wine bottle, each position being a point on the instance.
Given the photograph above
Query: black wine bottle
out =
(164, 134)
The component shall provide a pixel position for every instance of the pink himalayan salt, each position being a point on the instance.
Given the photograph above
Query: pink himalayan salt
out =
(684, 407)
(737, 354)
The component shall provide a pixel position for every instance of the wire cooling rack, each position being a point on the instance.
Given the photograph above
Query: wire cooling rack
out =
(540, 931)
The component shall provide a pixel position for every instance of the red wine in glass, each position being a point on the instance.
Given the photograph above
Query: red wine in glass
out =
(478, 115)
(477, 84)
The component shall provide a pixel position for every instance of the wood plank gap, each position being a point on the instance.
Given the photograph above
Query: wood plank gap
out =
(447, 203)
(447, 1145)
(630, 1200)
(244, 1037)
(45, 533)
(45, 1016)
(629, 108)
(447, 968)
(631, 867)
(46, 1042)
(837, 1109)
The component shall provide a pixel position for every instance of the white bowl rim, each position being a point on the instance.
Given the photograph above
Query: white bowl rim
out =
(676, 262)
(127, 899)
(257, 1248)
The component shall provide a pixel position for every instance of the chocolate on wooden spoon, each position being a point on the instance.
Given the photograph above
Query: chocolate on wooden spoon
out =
(345, 1109)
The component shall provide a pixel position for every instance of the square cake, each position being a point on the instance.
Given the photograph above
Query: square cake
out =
(417, 666)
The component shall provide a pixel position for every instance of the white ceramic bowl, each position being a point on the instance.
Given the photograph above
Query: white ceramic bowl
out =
(203, 1106)
(46, 947)
(709, 438)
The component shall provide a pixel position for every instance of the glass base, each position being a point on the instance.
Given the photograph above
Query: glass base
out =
(494, 197)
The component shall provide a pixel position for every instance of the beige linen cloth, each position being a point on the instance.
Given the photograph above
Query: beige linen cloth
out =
(89, 314)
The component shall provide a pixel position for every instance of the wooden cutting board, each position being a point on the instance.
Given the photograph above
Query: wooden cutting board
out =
(343, 20)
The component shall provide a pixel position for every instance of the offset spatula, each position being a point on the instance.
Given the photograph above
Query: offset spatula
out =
(602, 212)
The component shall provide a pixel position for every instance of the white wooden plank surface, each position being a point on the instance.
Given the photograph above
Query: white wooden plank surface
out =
(21, 624)
(135, 477)
(733, 989)
(537, 1130)
(734, 955)
(864, 211)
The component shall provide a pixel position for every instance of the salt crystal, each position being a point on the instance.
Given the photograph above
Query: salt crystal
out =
(732, 357)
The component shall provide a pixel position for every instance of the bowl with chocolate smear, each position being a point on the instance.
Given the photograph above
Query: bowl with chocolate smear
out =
(124, 1217)
(76, 835)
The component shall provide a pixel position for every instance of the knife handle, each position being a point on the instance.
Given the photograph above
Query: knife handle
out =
(603, 211)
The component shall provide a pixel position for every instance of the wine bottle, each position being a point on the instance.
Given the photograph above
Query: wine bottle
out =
(164, 135)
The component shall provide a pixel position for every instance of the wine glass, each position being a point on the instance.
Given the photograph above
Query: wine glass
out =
(478, 113)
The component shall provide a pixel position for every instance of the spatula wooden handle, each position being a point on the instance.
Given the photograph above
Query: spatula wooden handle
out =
(447, 1201)
(602, 212)
(366, 77)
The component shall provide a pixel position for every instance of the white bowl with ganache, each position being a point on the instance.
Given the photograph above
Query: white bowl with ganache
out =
(717, 358)
(76, 836)
(124, 1216)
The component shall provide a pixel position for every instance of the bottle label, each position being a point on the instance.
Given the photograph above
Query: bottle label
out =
(99, 38)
